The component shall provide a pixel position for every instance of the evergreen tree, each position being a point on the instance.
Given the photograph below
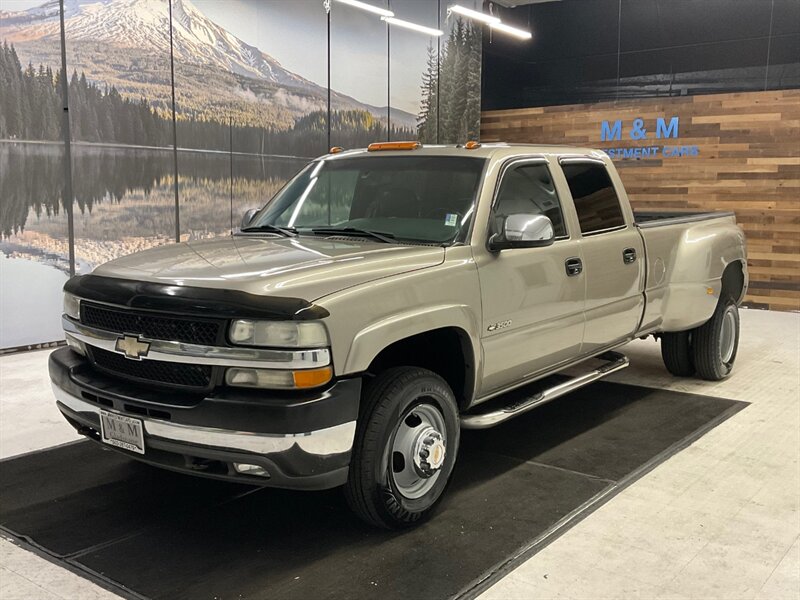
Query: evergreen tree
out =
(428, 119)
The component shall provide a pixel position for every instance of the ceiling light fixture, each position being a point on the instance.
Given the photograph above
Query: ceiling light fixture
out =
(367, 7)
(473, 14)
(413, 26)
(518, 33)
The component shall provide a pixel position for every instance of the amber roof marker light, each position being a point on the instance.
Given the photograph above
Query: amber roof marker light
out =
(336, 150)
(472, 145)
(378, 146)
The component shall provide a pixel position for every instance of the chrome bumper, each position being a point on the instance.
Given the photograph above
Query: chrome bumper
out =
(323, 442)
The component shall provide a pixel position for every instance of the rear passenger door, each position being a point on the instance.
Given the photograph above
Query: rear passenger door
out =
(613, 255)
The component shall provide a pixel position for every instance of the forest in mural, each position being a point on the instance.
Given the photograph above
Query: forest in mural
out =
(450, 107)
(31, 102)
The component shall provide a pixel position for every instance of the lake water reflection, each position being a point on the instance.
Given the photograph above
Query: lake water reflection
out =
(123, 202)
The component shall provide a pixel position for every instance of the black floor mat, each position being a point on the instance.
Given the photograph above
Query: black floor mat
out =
(147, 532)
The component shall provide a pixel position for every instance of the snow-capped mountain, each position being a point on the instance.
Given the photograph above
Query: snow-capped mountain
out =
(143, 26)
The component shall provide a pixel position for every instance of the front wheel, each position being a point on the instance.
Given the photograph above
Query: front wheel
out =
(405, 448)
(715, 343)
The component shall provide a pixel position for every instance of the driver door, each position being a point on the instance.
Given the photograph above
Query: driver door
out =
(532, 308)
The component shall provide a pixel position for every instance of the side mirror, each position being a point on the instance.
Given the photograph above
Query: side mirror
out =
(523, 231)
(247, 217)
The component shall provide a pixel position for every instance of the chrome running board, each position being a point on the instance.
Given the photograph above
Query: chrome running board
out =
(615, 362)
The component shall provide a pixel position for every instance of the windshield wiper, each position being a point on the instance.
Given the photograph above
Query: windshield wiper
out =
(284, 231)
(388, 238)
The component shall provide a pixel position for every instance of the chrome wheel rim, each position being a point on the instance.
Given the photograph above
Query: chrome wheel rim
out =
(727, 336)
(418, 449)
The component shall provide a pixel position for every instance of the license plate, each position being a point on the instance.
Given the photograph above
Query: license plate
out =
(122, 432)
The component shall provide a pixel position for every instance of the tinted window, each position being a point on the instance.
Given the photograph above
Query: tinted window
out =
(595, 199)
(528, 189)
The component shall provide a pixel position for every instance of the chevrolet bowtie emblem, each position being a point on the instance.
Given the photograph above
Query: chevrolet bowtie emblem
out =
(132, 347)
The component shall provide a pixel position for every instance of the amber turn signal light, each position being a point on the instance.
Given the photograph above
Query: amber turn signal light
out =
(393, 146)
(312, 377)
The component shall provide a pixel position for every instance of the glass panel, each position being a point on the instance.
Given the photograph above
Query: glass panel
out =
(34, 256)
(269, 105)
(120, 98)
(413, 73)
(460, 78)
(359, 76)
(594, 196)
(528, 189)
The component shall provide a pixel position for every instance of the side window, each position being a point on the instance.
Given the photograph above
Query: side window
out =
(596, 201)
(528, 189)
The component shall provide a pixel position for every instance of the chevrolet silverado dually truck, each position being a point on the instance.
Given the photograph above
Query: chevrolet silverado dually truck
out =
(366, 314)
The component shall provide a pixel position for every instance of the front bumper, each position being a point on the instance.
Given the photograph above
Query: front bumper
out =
(300, 441)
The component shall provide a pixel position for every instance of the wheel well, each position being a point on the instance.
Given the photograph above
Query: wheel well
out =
(446, 351)
(733, 282)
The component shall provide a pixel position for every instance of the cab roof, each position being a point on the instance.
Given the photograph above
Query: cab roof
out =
(487, 150)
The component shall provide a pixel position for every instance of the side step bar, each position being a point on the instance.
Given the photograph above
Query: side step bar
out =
(616, 362)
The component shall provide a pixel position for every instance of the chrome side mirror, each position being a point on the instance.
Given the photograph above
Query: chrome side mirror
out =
(524, 231)
(248, 217)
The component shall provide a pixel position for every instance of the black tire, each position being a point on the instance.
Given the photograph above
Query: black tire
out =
(387, 403)
(713, 357)
(676, 351)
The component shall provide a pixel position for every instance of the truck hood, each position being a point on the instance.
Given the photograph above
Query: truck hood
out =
(304, 267)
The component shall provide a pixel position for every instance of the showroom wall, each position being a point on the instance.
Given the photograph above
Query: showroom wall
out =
(698, 103)
(251, 89)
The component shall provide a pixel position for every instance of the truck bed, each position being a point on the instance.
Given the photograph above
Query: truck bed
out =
(647, 219)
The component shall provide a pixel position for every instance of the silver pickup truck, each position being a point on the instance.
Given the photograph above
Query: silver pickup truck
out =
(359, 320)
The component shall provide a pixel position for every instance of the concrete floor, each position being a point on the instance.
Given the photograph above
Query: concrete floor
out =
(721, 519)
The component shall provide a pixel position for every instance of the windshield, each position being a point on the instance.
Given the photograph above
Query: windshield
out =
(425, 199)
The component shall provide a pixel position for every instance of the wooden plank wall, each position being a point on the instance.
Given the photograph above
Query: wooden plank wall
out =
(748, 161)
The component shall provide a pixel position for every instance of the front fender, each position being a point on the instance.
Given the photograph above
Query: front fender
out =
(369, 342)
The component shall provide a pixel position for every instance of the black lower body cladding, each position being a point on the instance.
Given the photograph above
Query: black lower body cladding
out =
(302, 441)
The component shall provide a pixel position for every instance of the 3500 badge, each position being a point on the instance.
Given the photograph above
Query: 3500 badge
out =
(500, 325)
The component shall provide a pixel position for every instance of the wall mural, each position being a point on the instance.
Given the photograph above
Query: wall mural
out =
(251, 91)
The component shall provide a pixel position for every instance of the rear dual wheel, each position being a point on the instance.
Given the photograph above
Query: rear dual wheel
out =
(405, 448)
(676, 351)
(709, 350)
(714, 344)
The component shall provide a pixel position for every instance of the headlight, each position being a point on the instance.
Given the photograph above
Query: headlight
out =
(281, 334)
(72, 306)
(275, 379)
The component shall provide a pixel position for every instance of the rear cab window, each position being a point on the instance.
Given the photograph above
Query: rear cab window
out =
(594, 196)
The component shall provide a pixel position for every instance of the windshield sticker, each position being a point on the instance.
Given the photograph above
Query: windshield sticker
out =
(451, 219)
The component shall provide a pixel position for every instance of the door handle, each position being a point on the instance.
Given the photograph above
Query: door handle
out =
(574, 266)
(629, 255)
